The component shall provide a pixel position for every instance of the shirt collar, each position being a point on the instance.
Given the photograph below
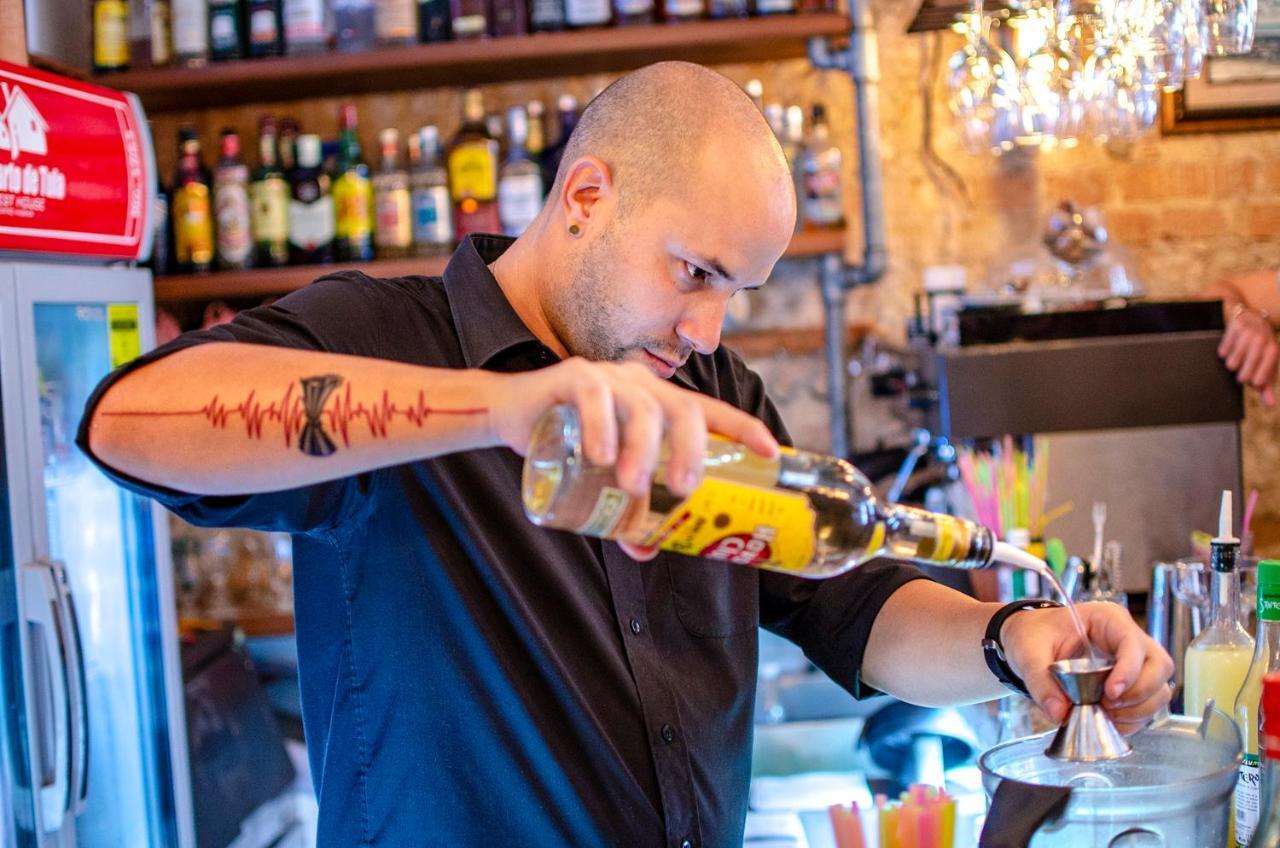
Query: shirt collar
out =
(487, 324)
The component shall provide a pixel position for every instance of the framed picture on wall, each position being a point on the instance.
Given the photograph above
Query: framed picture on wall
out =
(1234, 92)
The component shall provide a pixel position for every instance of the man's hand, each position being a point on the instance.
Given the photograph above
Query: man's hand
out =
(626, 397)
(1135, 690)
(1249, 349)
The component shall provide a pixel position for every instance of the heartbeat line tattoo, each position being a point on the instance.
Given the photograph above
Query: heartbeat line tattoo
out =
(313, 411)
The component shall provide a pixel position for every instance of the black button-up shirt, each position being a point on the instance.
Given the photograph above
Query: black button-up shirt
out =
(468, 678)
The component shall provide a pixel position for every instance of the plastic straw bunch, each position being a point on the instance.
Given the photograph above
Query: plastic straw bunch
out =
(923, 817)
(1009, 484)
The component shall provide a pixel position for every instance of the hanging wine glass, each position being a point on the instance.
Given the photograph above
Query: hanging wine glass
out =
(1231, 25)
(982, 85)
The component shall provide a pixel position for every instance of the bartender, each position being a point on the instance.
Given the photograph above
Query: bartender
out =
(468, 678)
(1249, 347)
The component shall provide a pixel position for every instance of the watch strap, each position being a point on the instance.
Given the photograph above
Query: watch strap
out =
(993, 648)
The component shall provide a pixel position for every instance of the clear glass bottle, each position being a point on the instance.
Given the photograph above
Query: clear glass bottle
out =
(520, 182)
(1266, 659)
(1217, 660)
(189, 21)
(393, 227)
(803, 514)
(1268, 833)
(307, 27)
(310, 207)
(231, 205)
(429, 195)
(820, 165)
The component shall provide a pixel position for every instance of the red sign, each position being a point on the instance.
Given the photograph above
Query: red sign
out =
(76, 168)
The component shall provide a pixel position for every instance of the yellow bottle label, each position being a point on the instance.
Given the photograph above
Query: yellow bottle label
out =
(193, 224)
(122, 333)
(269, 209)
(473, 170)
(111, 33)
(352, 199)
(743, 525)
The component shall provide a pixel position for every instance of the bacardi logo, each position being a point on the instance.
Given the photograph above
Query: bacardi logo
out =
(24, 130)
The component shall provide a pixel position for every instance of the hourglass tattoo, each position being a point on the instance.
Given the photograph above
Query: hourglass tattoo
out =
(318, 412)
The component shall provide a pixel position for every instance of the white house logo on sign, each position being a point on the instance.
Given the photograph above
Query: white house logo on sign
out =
(25, 187)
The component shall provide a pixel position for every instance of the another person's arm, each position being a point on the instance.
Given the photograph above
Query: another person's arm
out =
(925, 647)
(234, 418)
(1252, 304)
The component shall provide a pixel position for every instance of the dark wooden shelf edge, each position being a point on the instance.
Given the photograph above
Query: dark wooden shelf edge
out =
(265, 282)
(458, 63)
(753, 344)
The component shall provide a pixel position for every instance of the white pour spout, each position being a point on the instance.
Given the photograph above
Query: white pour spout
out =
(1224, 520)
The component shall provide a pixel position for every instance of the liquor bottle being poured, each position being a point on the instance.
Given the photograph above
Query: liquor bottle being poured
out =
(800, 513)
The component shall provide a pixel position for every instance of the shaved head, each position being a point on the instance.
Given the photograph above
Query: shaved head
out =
(651, 126)
(672, 197)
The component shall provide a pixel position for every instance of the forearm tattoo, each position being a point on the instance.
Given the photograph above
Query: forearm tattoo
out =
(313, 410)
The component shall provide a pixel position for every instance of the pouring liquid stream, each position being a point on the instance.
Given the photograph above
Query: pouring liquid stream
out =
(1007, 554)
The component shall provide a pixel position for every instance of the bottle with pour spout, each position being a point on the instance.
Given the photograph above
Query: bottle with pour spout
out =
(801, 513)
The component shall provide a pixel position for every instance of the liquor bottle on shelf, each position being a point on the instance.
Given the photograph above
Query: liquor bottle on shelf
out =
(536, 143)
(189, 23)
(396, 22)
(473, 171)
(161, 261)
(288, 145)
(393, 225)
(775, 7)
(307, 27)
(546, 15)
(567, 113)
(630, 12)
(269, 202)
(231, 206)
(434, 21)
(160, 41)
(520, 182)
(192, 215)
(266, 28)
(311, 215)
(470, 18)
(110, 35)
(429, 195)
(674, 11)
(820, 170)
(510, 17)
(580, 14)
(496, 128)
(226, 30)
(353, 25)
(352, 195)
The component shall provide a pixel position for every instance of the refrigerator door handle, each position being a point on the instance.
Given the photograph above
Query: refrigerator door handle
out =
(77, 690)
(48, 654)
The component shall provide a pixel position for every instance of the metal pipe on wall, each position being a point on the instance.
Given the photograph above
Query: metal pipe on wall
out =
(860, 59)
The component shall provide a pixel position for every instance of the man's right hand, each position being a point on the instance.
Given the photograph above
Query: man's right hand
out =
(626, 412)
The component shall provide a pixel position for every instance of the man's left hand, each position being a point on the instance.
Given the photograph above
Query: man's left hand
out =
(1135, 690)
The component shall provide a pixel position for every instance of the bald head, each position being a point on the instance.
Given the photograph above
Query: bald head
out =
(656, 127)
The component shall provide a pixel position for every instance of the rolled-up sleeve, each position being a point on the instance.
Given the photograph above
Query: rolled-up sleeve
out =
(829, 619)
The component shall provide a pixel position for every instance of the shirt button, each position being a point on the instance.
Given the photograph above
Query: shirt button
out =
(668, 735)
(635, 627)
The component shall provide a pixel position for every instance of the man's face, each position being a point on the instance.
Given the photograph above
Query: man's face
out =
(653, 285)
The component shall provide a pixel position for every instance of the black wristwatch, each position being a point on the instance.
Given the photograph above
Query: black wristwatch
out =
(993, 650)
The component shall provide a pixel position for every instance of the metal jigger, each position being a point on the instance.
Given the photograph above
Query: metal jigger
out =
(1087, 735)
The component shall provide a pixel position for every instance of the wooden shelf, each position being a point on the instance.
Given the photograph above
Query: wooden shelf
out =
(459, 63)
(265, 282)
(794, 341)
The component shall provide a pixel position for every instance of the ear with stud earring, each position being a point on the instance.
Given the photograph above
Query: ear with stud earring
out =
(575, 230)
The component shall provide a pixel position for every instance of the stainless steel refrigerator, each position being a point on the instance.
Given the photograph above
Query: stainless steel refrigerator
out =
(94, 740)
